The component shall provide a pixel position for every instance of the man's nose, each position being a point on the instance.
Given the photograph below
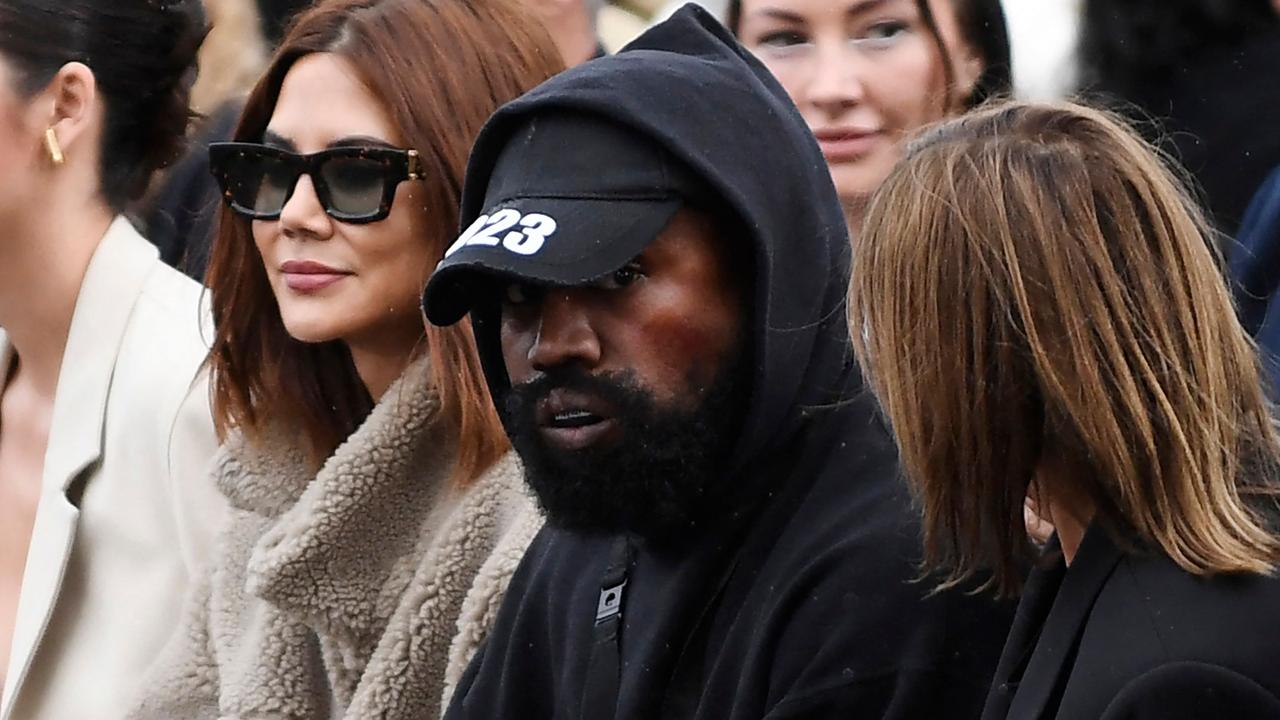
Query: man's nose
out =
(565, 333)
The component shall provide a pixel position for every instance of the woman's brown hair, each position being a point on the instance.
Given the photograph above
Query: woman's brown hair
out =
(441, 67)
(1038, 307)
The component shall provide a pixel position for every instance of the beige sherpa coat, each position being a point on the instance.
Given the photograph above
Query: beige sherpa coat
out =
(359, 592)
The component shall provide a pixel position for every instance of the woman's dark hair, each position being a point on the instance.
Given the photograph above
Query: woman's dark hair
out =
(1126, 45)
(142, 54)
(982, 25)
(441, 67)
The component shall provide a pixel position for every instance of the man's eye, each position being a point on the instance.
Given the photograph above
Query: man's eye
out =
(622, 277)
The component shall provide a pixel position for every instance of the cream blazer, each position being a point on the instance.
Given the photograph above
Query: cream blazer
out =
(127, 508)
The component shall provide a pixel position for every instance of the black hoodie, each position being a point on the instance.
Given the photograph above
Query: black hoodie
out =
(802, 606)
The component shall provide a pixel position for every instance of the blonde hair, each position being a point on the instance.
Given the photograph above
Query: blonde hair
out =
(1034, 289)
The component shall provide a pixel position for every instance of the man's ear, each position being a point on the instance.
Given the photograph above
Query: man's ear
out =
(70, 107)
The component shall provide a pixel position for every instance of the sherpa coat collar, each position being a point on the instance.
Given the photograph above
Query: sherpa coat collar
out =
(360, 591)
(329, 557)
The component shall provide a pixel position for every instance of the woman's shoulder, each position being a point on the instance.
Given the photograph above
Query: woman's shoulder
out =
(1192, 690)
(168, 291)
(139, 325)
(169, 328)
(1151, 625)
(176, 306)
(1224, 619)
(1166, 588)
(158, 367)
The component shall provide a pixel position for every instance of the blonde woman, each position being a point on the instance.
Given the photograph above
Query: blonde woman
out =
(1039, 311)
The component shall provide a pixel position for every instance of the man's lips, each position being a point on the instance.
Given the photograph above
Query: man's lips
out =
(573, 420)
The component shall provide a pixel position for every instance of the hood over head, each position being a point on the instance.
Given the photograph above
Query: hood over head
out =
(689, 88)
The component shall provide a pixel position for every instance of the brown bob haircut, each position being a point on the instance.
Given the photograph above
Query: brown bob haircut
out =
(1038, 308)
(441, 67)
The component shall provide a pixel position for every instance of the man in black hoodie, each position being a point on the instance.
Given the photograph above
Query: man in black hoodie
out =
(655, 264)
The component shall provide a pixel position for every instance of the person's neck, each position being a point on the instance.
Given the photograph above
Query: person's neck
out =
(380, 362)
(1071, 527)
(44, 255)
(1069, 512)
(855, 210)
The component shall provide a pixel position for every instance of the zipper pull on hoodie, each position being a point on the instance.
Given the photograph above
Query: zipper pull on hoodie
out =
(604, 672)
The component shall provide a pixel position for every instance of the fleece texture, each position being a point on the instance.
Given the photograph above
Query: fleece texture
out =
(361, 591)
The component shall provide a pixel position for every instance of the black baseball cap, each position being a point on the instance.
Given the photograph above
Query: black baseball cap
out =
(571, 198)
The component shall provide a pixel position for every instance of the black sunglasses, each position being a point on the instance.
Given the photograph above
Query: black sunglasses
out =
(353, 184)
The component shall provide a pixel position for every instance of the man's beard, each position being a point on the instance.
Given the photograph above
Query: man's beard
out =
(659, 480)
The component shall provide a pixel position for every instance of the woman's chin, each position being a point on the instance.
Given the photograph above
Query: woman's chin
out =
(313, 331)
(856, 181)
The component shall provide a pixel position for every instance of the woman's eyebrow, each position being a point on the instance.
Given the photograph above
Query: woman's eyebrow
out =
(779, 14)
(866, 6)
(275, 139)
(360, 140)
(788, 16)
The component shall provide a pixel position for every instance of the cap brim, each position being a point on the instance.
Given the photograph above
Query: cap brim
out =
(592, 237)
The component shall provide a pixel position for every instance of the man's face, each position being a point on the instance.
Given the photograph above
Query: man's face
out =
(627, 392)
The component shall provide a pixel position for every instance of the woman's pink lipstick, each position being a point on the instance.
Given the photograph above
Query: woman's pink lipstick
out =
(307, 276)
(846, 144)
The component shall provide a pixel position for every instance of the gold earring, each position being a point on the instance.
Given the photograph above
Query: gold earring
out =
(54, 147)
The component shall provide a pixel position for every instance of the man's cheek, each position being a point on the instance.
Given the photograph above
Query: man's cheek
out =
(687, 351)
(515, 341)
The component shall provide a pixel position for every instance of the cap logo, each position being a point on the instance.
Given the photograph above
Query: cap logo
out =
(520, 234)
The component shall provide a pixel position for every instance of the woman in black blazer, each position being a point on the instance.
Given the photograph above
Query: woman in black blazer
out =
(1037, 306)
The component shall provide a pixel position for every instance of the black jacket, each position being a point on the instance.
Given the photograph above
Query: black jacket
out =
(801, 605)
(1128, 636)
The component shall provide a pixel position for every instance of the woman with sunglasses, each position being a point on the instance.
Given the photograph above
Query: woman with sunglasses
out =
(1039, 310)
(867, 73)
(377, 512)
(106, 509)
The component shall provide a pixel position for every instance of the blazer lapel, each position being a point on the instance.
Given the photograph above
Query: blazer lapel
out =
(1037, 598)
(111, 286)
(1095, 560)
